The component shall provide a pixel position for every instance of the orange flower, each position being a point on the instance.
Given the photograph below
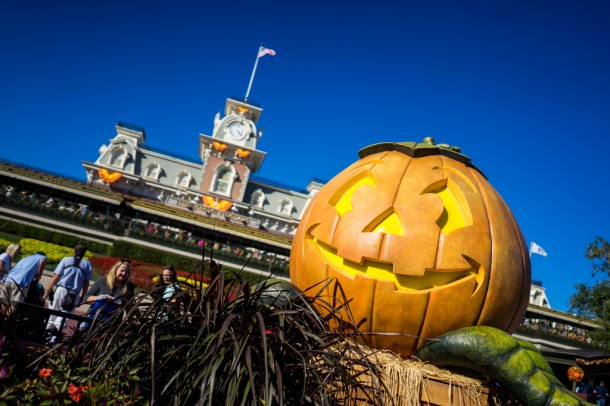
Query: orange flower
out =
(44, 372)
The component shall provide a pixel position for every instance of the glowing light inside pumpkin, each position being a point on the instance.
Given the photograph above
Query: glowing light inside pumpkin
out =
(342, 198)
(432, 278)
(456, 213)
(391, 224)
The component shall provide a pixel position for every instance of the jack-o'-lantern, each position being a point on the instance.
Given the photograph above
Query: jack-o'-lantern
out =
(420, 242)
(575, 373)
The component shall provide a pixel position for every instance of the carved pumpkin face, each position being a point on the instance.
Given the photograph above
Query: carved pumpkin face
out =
(420, 241)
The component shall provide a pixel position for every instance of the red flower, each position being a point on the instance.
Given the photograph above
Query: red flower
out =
(73, 389)
(76, 392)
(44, 372)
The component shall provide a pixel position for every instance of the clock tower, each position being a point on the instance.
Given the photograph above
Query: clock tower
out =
(230, 155)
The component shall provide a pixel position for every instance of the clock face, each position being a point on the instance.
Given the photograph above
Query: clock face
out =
(237, 131)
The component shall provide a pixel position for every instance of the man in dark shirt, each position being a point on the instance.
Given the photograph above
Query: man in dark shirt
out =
(601, 394)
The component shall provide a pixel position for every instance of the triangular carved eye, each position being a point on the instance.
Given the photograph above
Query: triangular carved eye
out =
(342, 198)
(456, 211)
(387, 223)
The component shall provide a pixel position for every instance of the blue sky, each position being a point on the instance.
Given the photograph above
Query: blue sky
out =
(523, 87)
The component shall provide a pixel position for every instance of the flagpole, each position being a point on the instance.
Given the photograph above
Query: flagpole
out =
(253, 72)
(530, 250)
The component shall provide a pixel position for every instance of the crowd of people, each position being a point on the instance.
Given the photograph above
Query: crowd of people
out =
(70, 286)
(557, 329)
(592, 393)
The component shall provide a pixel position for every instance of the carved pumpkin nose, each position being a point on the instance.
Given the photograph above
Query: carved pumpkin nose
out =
(390, 224)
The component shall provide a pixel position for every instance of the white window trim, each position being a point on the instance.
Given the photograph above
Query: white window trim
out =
(187, 175)
(222, 168)
(150, 168)
(255, 198)
(286, 203)
(118, 157)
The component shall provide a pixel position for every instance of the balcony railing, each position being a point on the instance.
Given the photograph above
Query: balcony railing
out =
(134, 228)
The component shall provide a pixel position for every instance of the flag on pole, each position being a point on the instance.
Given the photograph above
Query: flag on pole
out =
(262, 51)
(537, 249)
(265, 51)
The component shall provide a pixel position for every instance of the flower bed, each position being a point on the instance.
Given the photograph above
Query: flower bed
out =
(142, 273)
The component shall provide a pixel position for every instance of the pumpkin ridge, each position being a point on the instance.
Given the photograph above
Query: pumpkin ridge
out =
(518, 311)
(419, 342)
(441, 236)
(491, 250)
(527, 280)
(371, 314)
(402, 176)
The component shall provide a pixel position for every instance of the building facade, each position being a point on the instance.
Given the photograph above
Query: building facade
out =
(220, 184)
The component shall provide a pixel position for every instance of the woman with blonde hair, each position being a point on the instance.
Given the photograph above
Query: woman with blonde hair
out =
(7, 258)
(110, 291)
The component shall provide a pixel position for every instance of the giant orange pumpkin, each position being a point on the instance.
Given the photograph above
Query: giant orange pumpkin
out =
(420, 241)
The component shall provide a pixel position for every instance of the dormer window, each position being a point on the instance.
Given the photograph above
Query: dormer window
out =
(184, 179)
(258, 198)
(286, 207)
(223, 179)
(153, 171)
(118, 157)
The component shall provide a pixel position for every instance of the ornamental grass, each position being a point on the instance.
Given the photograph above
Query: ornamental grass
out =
(229, 343)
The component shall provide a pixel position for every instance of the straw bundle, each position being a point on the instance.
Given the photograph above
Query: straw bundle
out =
(411, 382)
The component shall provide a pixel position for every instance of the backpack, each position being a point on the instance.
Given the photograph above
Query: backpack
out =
(70, 299)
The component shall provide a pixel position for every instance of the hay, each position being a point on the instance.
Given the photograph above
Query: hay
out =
(408, 381)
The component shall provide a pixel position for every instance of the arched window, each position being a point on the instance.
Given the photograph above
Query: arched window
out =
(258, 198)
(223, 180)
(117, 157)
(286, 207)
(183, 179)
(153, 171)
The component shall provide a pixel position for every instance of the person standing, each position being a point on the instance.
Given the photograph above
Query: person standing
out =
(601, 394)
(18, 280)
(588, 390)
(71, 281)
(8, 257)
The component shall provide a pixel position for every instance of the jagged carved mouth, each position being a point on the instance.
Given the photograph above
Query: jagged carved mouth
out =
(430, 280)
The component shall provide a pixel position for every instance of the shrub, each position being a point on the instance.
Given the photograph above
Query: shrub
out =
(123, 249)
(231, 343)
(53, 252)
(57, 237)
(3, 244)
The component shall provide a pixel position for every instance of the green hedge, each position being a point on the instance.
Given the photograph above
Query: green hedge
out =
(3, 244)
(124, 249)
(56, 237)
(119, 249)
